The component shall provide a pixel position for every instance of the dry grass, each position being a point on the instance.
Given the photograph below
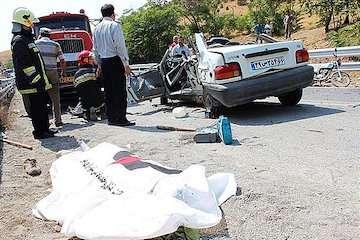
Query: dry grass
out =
(5, 56)
(231, 7)
(309, 22)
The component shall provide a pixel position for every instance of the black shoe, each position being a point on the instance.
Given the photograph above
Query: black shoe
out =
(60, 124)
(44, 135)
(121, 124)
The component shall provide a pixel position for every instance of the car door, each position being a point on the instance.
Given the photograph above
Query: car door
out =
(145, 84)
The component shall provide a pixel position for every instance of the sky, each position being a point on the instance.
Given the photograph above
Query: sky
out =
(45, 7)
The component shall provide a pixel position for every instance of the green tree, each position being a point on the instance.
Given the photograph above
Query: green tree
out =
(149, 31)
(204, 16)
(324, 8)
(264, 11)
(328, 9)
(347, 36)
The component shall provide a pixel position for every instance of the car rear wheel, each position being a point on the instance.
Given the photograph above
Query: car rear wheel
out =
(291, 98)
(213, 108)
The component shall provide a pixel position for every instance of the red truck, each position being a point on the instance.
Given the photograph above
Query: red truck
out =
(73, 33)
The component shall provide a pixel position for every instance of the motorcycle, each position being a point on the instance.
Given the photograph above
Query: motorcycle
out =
(330, 74)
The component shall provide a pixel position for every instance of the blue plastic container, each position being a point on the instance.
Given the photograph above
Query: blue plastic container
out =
(224, 128)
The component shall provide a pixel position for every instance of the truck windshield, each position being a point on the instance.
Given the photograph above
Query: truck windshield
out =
(64, 23)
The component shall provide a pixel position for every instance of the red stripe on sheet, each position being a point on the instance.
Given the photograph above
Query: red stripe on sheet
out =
(127, 160)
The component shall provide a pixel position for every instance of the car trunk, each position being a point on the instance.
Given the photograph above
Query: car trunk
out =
(258, 59)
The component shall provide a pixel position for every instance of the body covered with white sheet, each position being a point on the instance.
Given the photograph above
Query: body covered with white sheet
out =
(107, 193)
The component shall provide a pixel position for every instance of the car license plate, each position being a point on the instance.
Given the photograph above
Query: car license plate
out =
(67, 79)
(267, 63)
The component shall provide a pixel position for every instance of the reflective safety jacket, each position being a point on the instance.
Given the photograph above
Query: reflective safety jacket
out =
(28, 64)
(87, 87)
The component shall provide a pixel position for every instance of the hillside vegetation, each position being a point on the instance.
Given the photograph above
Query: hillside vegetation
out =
(149, 30)
(148, 37)
(346, 36)
(5, 56)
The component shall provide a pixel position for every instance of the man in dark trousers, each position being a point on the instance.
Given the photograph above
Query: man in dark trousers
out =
(31, 79)
(288, 20)
(112, 57)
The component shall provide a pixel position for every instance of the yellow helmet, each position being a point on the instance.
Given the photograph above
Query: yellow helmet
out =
(24, 16)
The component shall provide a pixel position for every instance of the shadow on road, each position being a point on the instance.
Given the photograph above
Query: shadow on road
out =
(74, 126)
(60, 143)
(263, 113)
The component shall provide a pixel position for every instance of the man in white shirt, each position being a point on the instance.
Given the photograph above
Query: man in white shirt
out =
(181, 49)
(113, 60)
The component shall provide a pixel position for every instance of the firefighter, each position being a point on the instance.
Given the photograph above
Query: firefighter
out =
(31, 79)
(87, 87)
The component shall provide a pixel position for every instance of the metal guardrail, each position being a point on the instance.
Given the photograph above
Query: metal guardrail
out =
(139, 68)
(350, 66)
(7, 88)
(346, 66)
(340, 52)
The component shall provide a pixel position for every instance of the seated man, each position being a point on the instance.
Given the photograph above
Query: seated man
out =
(88, 88)
(181, 49)
(175, 42)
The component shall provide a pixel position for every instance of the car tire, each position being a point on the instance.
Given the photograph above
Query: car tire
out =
(213, 108)
(164, 100)
(291, 98)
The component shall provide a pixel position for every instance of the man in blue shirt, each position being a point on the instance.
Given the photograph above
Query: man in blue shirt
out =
(181, 49)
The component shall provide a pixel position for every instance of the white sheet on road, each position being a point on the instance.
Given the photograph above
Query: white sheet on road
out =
(107, 193)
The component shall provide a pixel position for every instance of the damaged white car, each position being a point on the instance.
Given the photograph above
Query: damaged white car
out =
(229, 75)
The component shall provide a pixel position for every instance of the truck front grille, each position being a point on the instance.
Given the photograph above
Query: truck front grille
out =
(71, 45)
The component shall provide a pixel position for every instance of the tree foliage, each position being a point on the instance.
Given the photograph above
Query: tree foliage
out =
(149, 31)
(204, 16)
(328, 9)
(264, 11)
(347, 36)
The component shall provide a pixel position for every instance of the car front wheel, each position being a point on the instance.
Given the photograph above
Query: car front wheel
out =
(291, 98)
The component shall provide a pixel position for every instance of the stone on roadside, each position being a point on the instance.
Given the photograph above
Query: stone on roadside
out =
(30, 167)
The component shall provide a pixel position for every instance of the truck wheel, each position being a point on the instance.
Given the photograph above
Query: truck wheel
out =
(291, 98)
(164, 100)
(213, 107)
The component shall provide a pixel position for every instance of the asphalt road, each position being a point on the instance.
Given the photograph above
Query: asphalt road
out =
(297, 168)
(340, 95)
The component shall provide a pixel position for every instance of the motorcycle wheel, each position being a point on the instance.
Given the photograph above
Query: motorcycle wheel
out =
(342, 81)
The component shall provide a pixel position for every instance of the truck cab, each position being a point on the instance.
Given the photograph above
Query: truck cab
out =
(73, 33)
